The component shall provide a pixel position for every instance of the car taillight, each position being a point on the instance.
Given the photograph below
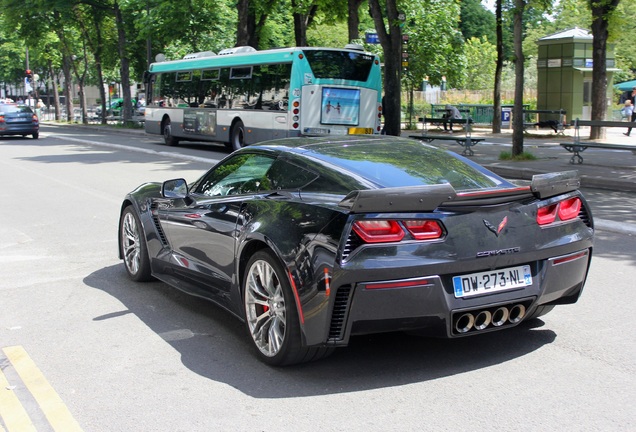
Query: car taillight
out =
(424, 229)
(378, 231)
(35, 118)
(1, 119)
(385, 231)
(569, 209)
(564, 210)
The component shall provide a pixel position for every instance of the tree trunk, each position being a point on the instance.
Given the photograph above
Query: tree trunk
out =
(601, 10)
(353, 19)
(124, 65)
(392, 46)
(56, 96)
(517, 110)
(68, 86)
(243, 28)
(496, 117)
(302, 20)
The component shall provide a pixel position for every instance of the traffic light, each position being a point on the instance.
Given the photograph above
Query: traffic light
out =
(29, 75)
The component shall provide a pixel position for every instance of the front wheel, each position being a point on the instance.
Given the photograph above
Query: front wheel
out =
(271, 315)
(237, 137)
(168, 138)
(133, 246)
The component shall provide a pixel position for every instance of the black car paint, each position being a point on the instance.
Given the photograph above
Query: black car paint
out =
(307, 233)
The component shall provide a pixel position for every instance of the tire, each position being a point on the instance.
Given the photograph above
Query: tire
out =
(35, 135)
(237, 137)
(539, 311)
(271, 316)
(133, 246)
(168, 138)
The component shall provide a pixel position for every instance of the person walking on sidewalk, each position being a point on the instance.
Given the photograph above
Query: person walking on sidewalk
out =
(451, 114)
(632, 101)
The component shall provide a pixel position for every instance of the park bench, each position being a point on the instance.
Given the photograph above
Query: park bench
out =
(577, 146)
(439, 121)
(465, 140)
(557, 125)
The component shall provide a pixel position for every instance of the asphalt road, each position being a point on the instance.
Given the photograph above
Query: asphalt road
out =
(120, 356)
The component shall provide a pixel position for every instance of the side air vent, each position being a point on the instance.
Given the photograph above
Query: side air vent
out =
(352, 243)
(340, 312)
(585, 216)
(155, 219)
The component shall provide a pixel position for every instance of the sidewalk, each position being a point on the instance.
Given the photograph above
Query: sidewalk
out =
(603, 169)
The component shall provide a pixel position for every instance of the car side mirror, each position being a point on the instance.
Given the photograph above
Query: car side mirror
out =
(177, 188)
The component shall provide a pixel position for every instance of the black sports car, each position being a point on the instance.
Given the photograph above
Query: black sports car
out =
(313, 240)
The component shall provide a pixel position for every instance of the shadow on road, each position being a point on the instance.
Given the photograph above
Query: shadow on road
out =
(214, 344)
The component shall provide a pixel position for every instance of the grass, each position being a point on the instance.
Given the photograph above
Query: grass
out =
(525, 156)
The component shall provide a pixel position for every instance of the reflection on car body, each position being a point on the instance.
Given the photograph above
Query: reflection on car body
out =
(313, 240)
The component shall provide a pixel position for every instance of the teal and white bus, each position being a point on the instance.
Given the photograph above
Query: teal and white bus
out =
(242, 96)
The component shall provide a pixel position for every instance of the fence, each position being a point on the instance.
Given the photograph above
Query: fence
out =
(437, 96)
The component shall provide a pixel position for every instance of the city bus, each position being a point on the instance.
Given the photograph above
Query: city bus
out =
(242, 96)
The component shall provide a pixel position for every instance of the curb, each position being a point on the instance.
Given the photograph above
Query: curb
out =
(586, 180)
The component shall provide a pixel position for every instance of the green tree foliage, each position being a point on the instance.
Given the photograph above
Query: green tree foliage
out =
(440, 33)
(481, 60)
(477, 21)
(435, 42)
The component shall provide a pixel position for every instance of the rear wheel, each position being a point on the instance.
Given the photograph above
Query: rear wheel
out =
(168, 138)
(133, 246)
(35, 135)
(271, 314)
(539, 311)
(237, 137)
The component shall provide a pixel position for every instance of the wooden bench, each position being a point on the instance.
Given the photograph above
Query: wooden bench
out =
(465, 140)
(557, 125)
(577, 146)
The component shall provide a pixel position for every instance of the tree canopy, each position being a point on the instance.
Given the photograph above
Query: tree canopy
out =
(94, 42)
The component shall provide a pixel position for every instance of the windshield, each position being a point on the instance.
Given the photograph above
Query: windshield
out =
(340, 64)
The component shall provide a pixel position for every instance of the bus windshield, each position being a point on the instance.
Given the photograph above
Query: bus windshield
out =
(340, 64)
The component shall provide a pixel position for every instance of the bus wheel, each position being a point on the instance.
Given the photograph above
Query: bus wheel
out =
(167, 134)
(237, 137)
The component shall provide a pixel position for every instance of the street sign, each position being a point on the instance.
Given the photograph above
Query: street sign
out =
(371, 38)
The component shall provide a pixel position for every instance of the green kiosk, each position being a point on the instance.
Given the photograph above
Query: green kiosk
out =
(564, 81)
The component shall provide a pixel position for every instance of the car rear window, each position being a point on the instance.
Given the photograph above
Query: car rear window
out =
(409, 163)
(14, 109)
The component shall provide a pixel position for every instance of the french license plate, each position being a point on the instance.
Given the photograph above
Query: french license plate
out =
(357, 130)
(492, 281)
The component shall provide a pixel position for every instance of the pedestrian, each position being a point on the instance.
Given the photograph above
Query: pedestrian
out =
(451, 114)
(632, 101)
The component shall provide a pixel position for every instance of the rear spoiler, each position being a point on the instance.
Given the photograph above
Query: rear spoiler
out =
(399, 199)
(428, 198)
(551, 184)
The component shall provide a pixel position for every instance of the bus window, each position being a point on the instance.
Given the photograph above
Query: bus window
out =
(340, 64)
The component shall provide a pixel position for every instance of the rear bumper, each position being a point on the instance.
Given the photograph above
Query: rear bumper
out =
(18, 129)
(428, 304)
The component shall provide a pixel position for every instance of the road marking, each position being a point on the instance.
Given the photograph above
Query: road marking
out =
(12, 412)
(47, 398)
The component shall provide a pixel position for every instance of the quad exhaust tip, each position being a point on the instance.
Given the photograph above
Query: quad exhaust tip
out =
(484, 319)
